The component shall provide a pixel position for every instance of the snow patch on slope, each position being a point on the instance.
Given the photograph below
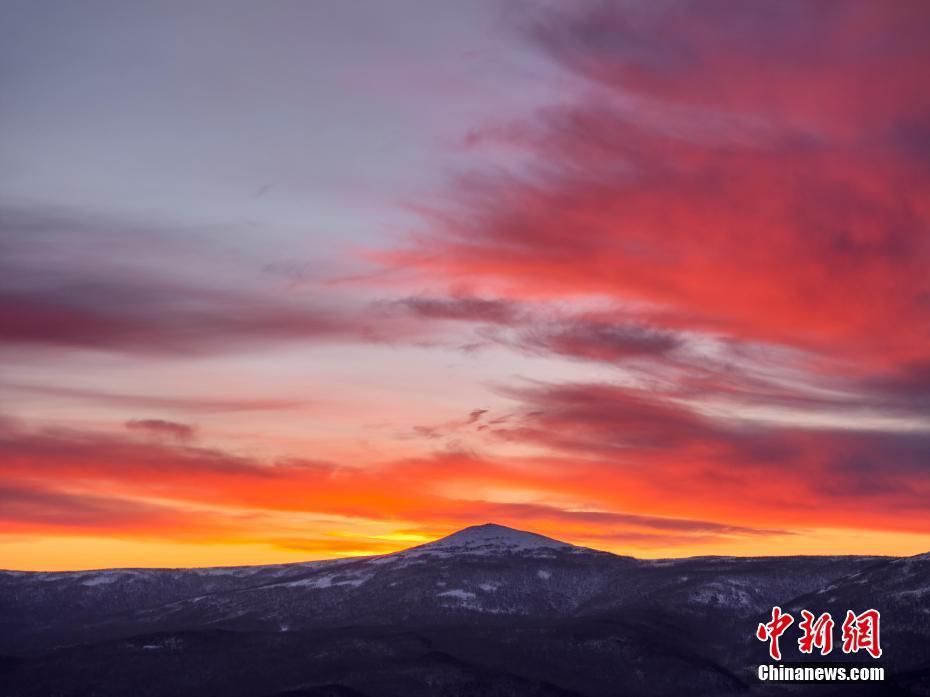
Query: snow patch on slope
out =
(458, 594)
(100, 579)
(329, 581)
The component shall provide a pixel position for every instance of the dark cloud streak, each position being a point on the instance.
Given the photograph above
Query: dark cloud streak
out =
(162, 428)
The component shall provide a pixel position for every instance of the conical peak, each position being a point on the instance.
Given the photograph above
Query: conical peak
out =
(494, 536)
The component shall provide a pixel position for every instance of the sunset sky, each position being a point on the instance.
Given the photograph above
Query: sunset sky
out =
(296, 280)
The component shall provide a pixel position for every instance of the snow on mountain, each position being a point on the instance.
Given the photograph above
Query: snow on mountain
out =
(491, 538)
(481, 570)
(448, 608)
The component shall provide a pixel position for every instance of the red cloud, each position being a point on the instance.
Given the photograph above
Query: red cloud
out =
(768, 182)
(696, 482)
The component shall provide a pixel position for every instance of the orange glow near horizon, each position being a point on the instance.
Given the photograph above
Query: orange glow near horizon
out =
(53, 553)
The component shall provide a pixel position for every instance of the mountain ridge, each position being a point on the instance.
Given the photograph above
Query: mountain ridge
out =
(486, 598)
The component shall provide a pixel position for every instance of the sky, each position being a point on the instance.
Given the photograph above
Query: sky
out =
(294, 280)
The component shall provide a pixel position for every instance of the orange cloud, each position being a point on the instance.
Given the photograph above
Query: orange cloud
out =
(705, 485)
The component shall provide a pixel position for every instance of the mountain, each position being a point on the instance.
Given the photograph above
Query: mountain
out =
(488, 610)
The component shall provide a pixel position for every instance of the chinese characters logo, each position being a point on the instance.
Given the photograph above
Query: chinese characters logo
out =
(860, 632)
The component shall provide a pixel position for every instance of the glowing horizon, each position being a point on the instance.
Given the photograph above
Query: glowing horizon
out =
(316, 280)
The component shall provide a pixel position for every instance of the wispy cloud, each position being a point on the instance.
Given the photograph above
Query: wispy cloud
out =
(72, 281)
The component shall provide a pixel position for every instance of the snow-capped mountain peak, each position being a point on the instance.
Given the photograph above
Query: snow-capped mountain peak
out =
(492, 538)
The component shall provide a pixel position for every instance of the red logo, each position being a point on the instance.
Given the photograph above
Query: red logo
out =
(817, 633)
(774, 629)
(860, 632)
